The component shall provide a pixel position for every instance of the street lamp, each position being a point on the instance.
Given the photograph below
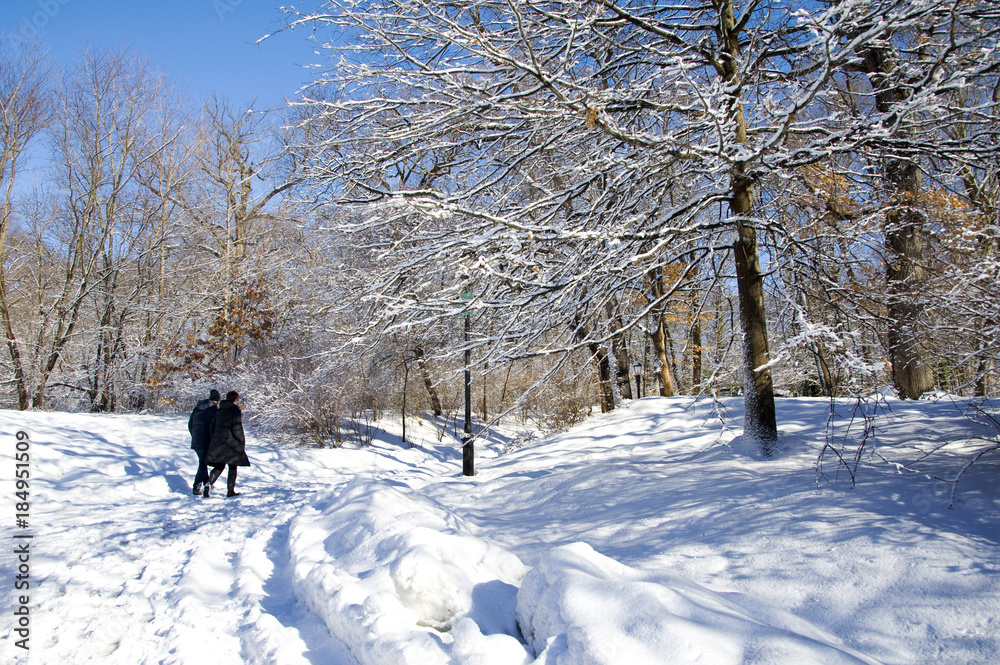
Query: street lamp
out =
(637, 373)
(468, 448)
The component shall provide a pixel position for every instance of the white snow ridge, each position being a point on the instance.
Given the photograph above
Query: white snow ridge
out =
(402, 581)
(578, 606)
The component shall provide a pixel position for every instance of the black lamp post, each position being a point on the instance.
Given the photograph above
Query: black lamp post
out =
(468, 448)
(637, 373)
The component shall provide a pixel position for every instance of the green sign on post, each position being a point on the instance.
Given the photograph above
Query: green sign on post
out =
(466, 295)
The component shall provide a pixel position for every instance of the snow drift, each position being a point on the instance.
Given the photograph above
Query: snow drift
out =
(400, 579)
(578, 607)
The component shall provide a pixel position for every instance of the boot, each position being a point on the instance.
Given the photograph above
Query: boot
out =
(231, 482)
(196, 490)
(214, 475)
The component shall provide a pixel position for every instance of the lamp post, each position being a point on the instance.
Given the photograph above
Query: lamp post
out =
(468, 448)
(637, 373)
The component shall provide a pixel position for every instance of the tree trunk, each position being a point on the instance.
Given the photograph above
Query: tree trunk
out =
(12, 346)
(695, 341)
(619, 351)
(12, 343)
(758, 395)
(600, 356)
(761, 423)
(982, 370)
(905, 239)
(432, 393)
(485, 404)
(406, 382)
(988, 248)
(658, 335)
(606, 381)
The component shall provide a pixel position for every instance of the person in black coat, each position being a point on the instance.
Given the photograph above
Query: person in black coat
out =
(200, 426)
(228, 443)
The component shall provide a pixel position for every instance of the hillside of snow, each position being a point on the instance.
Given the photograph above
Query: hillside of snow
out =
(648, 535)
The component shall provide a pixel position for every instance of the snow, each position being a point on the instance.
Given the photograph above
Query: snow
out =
(579, 606)
(391, 574)
(651, 534)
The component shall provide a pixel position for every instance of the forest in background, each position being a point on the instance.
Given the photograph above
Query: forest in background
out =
(744, 197)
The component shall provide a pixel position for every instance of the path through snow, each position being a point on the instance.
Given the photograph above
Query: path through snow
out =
(134, 569)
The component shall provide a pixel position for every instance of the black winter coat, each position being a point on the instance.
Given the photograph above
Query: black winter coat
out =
(228, 443)
(200, 423)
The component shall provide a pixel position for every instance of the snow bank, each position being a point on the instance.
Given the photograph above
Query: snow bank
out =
(578, 607)
(401, 580)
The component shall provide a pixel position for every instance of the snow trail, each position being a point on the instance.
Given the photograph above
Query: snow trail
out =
(135, 569)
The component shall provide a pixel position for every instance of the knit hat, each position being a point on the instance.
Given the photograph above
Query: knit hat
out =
(214, 395)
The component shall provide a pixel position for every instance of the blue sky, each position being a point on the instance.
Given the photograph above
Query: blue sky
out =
(204, 46)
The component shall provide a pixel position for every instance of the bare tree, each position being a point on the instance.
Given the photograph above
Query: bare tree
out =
(25, 111)
(100, 142)
(229, 197)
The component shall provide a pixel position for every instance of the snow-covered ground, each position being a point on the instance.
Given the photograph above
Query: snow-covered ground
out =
(648, 535)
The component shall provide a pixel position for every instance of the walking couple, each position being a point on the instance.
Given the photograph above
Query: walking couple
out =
(217, 436)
